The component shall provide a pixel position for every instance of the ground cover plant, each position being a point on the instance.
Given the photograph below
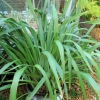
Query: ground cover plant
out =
(54, 56)
(94, 13)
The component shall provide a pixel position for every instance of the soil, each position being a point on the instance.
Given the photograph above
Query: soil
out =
(74, 93)
(4, 95)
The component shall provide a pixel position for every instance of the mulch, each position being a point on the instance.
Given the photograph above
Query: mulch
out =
(4, 95)
(75, 92)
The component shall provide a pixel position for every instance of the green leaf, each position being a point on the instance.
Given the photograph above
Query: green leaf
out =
(54, 67)
(55, 20)
(68, 20)
(67, 3)
(5, 87)
(69, 64)
(94, 63)
(2, 20)
(6, 66)
(14, 86)
(97, 21)
(31, 6)
(40, 83)
(61, 52)
(79, 78)
(90, 29)
(46, 76)
(91, 82)
(83, 56)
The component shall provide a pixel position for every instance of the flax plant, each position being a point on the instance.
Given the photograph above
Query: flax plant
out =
(53, 56)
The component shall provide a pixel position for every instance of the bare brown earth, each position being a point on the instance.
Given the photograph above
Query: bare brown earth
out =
(96, 33)
(5, 93)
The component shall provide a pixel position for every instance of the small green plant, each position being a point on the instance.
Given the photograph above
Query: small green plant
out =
(74, 94)
(2, 97)
(95, 10)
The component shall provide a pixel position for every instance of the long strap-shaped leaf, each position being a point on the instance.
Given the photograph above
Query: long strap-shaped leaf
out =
(61, 52)
(69, 64)
(31, 6)
(55, 19)
(82, 54)
(6, 66)
(79, 78)
(45, 78)
(14, 86)
(91, 81)
(40, 83)
(54, 67)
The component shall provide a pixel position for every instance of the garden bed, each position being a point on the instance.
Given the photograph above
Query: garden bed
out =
(75, 92)
(4, 95)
